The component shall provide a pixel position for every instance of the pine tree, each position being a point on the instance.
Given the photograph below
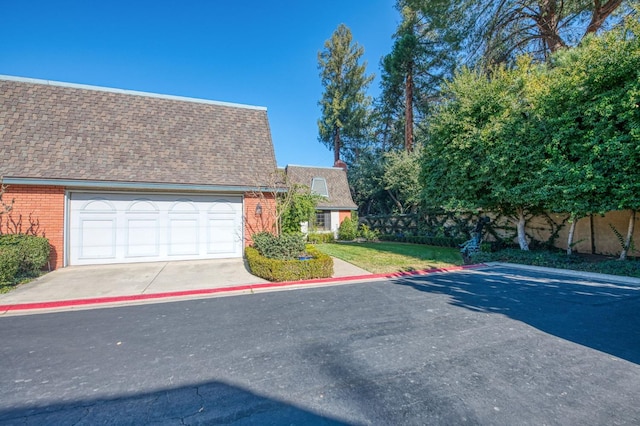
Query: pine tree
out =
(343, 126)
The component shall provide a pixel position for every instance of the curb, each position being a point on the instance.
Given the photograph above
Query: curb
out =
(569, 272)
(38, 306)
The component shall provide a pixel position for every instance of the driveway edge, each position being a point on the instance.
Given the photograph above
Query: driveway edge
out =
(570, 272)
(246, 288)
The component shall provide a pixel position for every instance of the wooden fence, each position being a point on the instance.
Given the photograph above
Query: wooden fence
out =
(594, 234)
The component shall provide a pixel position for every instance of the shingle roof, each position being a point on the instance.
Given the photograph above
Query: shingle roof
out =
(337, 185)
(58, 131)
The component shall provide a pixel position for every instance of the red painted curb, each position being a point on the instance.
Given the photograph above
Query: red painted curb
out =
(135, 297)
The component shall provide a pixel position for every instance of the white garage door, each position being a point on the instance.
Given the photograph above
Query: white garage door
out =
(123, 228)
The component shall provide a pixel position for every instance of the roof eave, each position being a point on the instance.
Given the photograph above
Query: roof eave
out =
(149, 186)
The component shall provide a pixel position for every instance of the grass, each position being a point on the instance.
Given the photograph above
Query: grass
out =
(388, 257)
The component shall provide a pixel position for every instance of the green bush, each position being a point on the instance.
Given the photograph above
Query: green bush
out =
(320, 266)
(368, 233)
(32, 252)
(320, 237)
(284, 247)
(9, 264)
(348, 230)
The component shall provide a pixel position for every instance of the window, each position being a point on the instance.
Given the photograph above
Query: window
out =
(323, 220)
(319, 186)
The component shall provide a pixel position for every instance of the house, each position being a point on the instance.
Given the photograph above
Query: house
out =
(116, 176)
(331, 184)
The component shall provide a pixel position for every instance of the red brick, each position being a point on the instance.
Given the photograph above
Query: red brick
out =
(45, 205)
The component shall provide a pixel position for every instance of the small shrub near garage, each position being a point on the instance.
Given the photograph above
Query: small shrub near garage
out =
(9, 265)
(22, 256)
(319, 266)
(284, 247)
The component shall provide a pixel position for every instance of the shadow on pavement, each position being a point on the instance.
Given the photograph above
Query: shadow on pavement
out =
(597, 314)
(207, 403)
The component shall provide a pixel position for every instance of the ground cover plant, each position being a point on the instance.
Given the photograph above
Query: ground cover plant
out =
(388, 257)
(559, 259)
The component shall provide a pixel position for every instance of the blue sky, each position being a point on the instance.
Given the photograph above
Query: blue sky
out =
(250, 52)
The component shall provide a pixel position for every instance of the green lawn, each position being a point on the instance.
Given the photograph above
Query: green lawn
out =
(386, 257)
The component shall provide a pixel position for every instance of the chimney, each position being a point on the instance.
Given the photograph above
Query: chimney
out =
(340, 164)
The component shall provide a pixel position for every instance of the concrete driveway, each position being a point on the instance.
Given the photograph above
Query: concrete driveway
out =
(112, 281)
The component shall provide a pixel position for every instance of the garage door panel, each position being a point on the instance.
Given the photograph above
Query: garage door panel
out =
(98, 238)
(222, 236)
(183, 237)
(142, 238)
(125, 227)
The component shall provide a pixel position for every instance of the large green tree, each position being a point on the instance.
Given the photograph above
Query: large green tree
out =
(343, 126)
(562, 136)
(592, 116)
(484, 151)
(421, 57)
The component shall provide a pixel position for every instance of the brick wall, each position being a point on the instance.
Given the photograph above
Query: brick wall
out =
(254, 223)
(39, 210)
(344, 214)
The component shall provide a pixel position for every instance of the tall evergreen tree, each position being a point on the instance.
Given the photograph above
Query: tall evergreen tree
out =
(422, 56)
(343, 125)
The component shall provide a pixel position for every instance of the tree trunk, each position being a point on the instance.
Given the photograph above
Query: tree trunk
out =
(547, 23)
(522, 237)
(408, 109)
(336, 145)
(627, 241)
(572, 230)
(600, 13)
(593, 238)
(395, 200)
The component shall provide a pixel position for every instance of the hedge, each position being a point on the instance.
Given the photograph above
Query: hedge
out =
(424, 239)
(22, 256)
(283, 247)
(320, 237)
(9, 264)
(320, 266)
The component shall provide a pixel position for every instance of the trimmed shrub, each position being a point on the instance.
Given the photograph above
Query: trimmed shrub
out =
(284, 247)
(9, 264)
(320, 237)
(348, 230)
(320, 266)
(32, 252)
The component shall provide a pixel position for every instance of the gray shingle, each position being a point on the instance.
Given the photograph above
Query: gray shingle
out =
(337, 185)
(59, 132)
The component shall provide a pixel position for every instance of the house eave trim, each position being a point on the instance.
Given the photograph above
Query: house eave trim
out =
(93, 184)
(336, 208)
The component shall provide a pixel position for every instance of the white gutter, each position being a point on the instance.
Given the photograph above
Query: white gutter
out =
(93, 184)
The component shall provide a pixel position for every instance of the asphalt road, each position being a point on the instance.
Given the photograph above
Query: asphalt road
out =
(495, 346)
